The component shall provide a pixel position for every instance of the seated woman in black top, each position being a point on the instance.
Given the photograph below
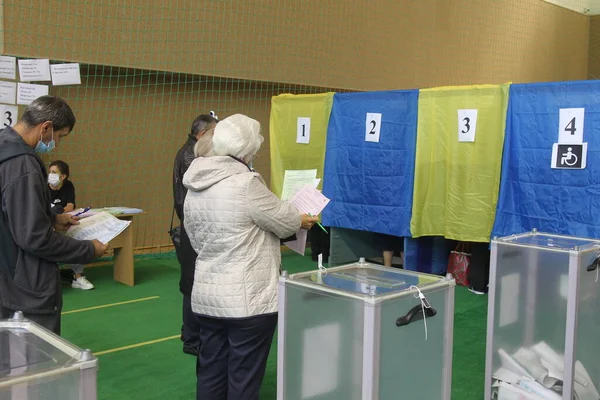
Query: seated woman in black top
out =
(62, 195)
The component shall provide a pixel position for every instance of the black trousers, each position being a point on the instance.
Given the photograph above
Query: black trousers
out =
(48, 321)
(233, 356)
(320, 243)
(190, 332)
(479, 269)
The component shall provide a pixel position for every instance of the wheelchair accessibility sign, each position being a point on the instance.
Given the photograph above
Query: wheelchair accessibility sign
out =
(569, 156)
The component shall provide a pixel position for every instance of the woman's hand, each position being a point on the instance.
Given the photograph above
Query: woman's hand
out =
(308, 221)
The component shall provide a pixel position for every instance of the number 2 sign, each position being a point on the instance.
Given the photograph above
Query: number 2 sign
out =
(9, 115)
(373, 127)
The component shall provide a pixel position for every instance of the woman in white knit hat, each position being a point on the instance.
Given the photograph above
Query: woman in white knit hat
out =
(235, 224)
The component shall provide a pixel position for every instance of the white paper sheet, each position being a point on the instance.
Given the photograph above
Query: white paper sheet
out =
(294, 180)
(65, 74)
(8, 67)
(298, 245)
(309, 200)
(509, 392)
(8, 92)
(26, 93)
(34, 70)
(102, 226)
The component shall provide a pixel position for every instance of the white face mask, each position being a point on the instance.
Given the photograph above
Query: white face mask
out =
(53, 179)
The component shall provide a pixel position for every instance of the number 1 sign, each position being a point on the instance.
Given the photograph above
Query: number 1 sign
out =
(303, 132)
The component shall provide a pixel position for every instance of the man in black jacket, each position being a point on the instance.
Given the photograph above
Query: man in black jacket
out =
(30, 247)
(186, 254)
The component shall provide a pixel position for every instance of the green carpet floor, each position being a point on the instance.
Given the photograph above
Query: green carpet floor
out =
(160, 370)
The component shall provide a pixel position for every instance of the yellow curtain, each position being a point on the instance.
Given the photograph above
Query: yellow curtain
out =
(298, 134)
(456, 177)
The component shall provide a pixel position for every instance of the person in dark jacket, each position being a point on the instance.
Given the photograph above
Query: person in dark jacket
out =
(30, 245)
(190, 331)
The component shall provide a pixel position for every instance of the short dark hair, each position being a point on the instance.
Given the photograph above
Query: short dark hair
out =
(49, 108)
(201, 122)
(62, 166)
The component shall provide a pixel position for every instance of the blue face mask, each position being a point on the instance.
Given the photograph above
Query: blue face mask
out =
(42, 147)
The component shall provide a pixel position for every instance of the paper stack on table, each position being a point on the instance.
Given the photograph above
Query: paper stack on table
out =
(101, 226)
(537, 373)
(308, 201)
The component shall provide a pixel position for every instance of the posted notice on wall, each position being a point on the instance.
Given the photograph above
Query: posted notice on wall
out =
(8, 92)
(26, 93)
(8, 67)
(34, 70)
(65, 74)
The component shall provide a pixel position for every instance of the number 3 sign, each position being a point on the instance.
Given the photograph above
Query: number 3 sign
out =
(467, 125)
(9, 115)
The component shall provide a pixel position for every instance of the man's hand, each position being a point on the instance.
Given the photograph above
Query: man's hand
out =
(64, 221)
(99, 248)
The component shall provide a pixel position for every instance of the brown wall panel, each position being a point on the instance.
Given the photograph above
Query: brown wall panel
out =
(355, 44)
(594, 48)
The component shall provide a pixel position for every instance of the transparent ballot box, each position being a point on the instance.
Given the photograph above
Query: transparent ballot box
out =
(543, 318)
(358, 332)
(36, 364)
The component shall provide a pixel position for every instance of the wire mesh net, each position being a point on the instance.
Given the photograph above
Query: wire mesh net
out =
(149, 67)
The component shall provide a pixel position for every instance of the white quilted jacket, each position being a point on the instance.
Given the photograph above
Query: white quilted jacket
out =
(234, 223)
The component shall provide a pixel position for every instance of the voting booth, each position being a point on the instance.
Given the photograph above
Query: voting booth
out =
(36, 364)
(358, 332)
(543, 324)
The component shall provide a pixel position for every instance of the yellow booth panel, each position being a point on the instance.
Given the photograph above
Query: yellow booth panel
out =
(298, 134)
(460, 136)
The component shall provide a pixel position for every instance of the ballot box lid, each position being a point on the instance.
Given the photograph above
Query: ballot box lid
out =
(367, 280)
(550, 241)
(28, 351)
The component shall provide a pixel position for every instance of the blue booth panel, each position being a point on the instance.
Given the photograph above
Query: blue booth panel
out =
(532, 193)
(370, 181)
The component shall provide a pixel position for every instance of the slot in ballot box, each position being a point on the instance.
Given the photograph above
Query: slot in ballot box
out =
(357, 332)
(36, 364)
(543, 318)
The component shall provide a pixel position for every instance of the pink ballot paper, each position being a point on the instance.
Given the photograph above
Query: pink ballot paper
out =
(308, 201)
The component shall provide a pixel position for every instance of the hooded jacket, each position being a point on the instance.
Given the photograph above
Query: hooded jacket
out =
(29, 246)
(235, 224)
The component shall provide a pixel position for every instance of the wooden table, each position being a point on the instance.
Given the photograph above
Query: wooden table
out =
(123, 249)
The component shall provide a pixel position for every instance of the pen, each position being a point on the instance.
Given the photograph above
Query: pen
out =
(83, 212)
(320, 226)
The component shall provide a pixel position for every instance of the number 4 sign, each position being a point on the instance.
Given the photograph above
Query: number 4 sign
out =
(9, 115)
(570, 125)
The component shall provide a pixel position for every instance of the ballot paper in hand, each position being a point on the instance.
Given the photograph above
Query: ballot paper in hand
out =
(102, 227)
(308, 201)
